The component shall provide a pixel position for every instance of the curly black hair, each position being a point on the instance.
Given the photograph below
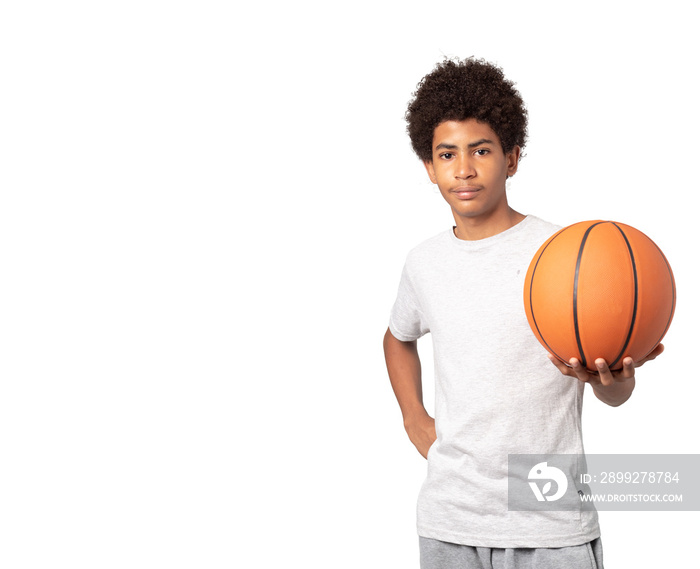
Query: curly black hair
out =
(460, 90)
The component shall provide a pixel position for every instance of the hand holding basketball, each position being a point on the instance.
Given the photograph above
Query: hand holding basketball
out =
(604, 376)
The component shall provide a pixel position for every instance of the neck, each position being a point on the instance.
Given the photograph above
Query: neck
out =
(475, 228)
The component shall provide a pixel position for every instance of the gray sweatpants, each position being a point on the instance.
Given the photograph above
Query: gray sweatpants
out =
(436, 554)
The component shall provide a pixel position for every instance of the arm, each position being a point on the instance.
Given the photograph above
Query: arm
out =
(611, 387)
(403, 365)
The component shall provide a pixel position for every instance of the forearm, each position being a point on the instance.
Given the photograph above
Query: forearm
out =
(404, 367)
(615, 394)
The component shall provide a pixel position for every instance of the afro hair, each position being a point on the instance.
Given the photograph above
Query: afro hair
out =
(460, 90)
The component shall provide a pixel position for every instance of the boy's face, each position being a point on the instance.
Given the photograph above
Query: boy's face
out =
(470, 169)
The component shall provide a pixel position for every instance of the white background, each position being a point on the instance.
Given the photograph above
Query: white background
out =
(205, 211)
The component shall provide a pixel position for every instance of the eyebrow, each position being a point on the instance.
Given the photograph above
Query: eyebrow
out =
(470, 145)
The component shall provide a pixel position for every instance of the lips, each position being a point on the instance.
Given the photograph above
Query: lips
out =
(465, 192)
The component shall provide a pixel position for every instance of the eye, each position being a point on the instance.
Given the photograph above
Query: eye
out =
(482, 151)
(446, 155)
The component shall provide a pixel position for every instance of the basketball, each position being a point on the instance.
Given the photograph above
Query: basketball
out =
(599, 289)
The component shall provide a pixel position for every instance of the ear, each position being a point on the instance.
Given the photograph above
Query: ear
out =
(512, 159)
(431, 171)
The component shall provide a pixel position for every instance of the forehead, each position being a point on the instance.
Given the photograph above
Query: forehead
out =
(461, 133)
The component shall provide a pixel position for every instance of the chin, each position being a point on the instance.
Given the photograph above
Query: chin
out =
(469, 212)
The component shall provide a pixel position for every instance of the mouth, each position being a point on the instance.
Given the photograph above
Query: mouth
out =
(465, 192)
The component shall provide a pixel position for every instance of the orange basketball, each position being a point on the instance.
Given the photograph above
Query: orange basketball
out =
(599, 289)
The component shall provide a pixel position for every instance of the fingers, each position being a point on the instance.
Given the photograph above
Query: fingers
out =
(561, 366)
(604, 375)
(627, 369)
(608, 377)
(574, 369)
(582, 373)
(658, 350)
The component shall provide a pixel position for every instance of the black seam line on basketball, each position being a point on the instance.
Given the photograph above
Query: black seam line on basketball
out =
(578, 266)
(532, 278)
(636, 299)
(673, 302)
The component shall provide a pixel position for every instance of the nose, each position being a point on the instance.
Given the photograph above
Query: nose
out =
(464, 168)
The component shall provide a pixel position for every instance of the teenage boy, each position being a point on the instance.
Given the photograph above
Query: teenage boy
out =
(496, 391)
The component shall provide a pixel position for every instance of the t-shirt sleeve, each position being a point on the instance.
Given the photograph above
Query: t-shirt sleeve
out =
(406, 321)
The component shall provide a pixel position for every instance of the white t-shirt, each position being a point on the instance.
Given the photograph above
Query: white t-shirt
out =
(496, 392)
